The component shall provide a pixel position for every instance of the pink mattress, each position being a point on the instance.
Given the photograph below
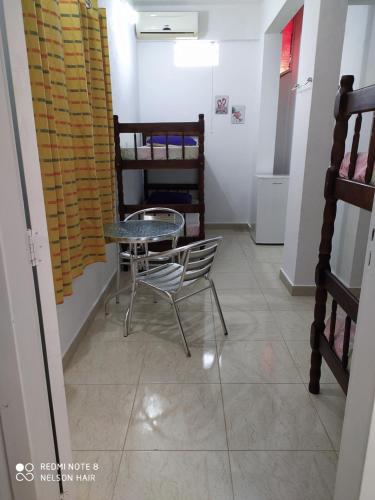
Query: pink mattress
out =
(360, 168)
(339, 333)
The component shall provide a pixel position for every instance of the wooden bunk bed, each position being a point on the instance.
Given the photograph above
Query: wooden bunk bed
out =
(142, 153)
(350, 179)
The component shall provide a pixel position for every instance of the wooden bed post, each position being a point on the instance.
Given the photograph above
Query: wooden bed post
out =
(120, 189)
(329, 215)
(201, 177)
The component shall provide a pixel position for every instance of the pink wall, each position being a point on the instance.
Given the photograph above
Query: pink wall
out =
(287, 97)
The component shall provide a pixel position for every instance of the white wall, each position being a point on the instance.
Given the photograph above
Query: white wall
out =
(88, 287)
(276, 13)
(274, 16)
(368, 74)
(320, 55)
(269, 96)
(237, 21)
(169, 93)
(86, 291)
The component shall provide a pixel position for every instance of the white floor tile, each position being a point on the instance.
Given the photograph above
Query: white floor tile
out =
(281, 300)
(301, 353)
(255, 362)
(142, 393)
(283, 475)
(272, 417)
(105, 477)
(198, 325)
(330, 405)
(114, 362)
(294, 325)
(167, 363)
(242, 300)
(235, 281)
(248, 325)
(99, 415)
(177, 417)
(174, 475)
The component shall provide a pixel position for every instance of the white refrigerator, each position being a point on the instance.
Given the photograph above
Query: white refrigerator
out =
(272, 195)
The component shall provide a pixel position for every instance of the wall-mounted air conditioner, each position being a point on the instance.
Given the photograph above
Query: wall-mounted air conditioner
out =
(167, 25)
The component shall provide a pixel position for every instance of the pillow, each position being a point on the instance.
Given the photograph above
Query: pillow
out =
(173, 140)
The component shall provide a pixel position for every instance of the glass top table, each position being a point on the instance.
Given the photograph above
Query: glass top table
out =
(141, 231)
(134, 233)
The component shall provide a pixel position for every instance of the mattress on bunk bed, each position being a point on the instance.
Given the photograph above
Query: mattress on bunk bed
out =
(338, 345)
(160, 153)
(360, 168)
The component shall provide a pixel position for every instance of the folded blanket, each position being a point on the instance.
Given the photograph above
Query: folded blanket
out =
(360, 167)
(173, 140)
(338, 344)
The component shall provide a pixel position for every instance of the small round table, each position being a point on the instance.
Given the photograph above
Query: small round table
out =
(133, 232)
(141, 231)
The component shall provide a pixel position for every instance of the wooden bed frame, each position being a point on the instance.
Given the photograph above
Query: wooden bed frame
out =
(348, 103)
(183, 129)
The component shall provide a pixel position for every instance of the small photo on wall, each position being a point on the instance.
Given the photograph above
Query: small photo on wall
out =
(238, 114)
(221, 104)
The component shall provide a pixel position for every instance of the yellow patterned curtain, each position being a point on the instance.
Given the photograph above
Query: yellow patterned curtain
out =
(69, 73)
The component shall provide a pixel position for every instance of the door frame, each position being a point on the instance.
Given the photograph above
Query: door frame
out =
(24, 411)
(43, 302)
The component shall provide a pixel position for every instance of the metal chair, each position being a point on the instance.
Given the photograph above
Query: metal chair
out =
(194, 263)
(165, 214)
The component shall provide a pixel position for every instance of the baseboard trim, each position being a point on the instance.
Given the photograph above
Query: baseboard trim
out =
(296, 290)
(90, 318)
(306, 290)
(242, 226)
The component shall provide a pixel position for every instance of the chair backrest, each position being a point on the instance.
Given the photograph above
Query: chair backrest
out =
(199, 258)
(159, 213)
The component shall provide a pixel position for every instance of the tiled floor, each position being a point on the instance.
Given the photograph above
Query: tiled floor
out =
(234, 421)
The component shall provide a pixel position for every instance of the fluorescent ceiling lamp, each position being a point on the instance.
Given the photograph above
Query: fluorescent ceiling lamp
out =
(131, 15)
(196, 53)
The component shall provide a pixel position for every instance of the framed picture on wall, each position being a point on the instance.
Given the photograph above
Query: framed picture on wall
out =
(221, 104)
(238, 114)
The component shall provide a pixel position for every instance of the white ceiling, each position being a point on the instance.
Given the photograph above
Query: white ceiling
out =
(150, 3)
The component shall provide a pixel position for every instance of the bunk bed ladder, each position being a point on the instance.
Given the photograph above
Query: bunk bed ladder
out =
(329, 216)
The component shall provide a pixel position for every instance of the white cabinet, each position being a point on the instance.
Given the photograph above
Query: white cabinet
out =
(272, 195)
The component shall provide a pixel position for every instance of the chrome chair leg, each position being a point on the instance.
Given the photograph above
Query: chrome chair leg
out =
(181, 329)
(218, 307)
(129, 313)
(118, 275)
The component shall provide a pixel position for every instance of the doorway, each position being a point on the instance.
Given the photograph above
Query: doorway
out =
(290, 47)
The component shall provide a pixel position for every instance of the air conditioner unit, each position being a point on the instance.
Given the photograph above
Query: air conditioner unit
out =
(167, 25)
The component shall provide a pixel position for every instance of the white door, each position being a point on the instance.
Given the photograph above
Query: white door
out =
(34, 424)
(355, 474)
(25, 416)
(5, 483)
